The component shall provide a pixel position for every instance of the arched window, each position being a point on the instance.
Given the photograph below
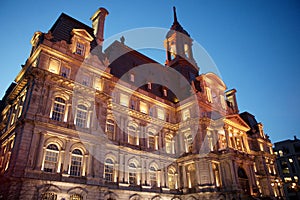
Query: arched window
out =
(153, 176)
(76, 162)
(49, 196)
(169, 144)
(109, 170)
(191, 175)
(171, 179)
(216, 172)
(51, 158)
(110, 129)
(152, 140)
(58, 110)
(132, 173)
(76, 197)
(132, 135)
(188, 140)
(81, 116)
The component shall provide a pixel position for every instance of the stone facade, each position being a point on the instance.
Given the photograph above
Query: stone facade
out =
(83, 123)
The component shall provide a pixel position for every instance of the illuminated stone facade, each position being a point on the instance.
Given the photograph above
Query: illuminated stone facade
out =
(81, 122)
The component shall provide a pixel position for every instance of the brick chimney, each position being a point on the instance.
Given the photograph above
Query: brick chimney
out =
(98, 20)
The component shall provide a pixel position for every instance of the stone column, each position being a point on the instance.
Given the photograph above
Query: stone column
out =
(40, 152)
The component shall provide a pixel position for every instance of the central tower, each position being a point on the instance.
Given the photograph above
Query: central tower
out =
(178, 46)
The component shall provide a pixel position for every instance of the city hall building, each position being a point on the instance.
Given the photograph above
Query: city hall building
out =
(84, 122)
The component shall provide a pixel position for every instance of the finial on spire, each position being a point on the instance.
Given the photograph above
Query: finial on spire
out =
(175, 15)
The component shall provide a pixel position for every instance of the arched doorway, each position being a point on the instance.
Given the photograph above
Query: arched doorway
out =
(243, 180)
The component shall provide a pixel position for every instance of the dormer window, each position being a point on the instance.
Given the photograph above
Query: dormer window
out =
(81, 42)
(80, 48)
(149, 85)
(132, 77)
(165, 92)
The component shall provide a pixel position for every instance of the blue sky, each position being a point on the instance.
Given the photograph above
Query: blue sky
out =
(255, 44)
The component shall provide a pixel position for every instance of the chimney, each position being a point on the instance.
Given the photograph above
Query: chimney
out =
(231, 97)
(98, 20)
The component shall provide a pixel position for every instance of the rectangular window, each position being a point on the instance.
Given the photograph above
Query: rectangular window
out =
(54, 65)
(160, 114)
(124, 100)
(186, 114)
(80, 48)
(143, 107)
(65, 72)
(98, 84)
(85, 80)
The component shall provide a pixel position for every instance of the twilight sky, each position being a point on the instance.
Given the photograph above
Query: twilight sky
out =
(255, 44)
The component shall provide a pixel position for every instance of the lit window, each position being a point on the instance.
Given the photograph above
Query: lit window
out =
(290, 160)
(5, 151)
(171, 179)
(143, 107)
(132, 135)
(80, 48)
(76, 162)
(65, 72)
(54, 66)
(280, 153)
(58, 110)
(287, 179)
(169, 144)
(132, 173)
(132, 77)
(98, 84)
(216, 171)
(109, 170)
(110, 129)
(153, 176)
(51, 158)
(81, 116)
(186, 114)
(124, 100)
(49, 196)
(160, 114)
(76, 197)
(188, 140)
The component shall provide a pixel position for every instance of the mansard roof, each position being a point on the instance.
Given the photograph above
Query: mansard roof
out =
(63, 27)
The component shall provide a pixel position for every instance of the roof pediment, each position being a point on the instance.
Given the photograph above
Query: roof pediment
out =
(82, 33)
(236, 121)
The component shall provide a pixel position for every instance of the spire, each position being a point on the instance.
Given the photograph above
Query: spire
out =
(175, 15)
(176, 26)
